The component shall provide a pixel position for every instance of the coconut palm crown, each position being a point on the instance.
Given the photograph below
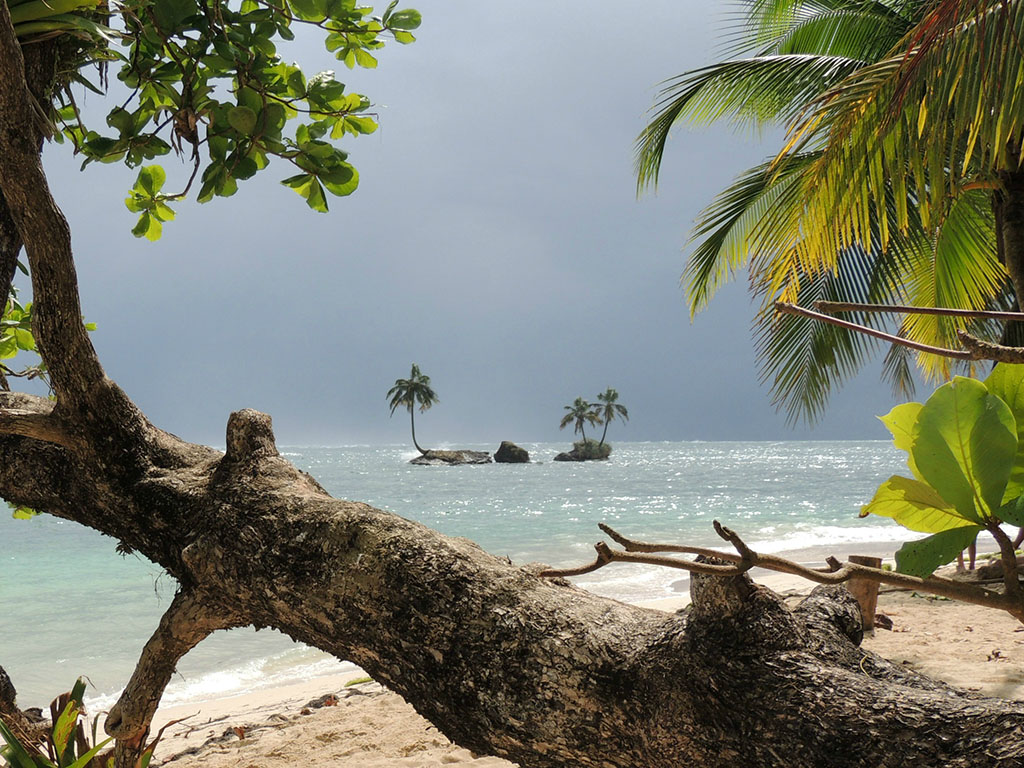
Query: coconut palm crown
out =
(609, 409)
(410, 392)
(866, 202)
(578, 414)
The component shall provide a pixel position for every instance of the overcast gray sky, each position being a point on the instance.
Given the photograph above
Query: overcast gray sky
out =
(495, 239)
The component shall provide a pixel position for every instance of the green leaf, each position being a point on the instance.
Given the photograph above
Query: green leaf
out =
(316, 199)
(148, 227)
(8, 346)
(922, 557)
(83, 761)
(242, 119)
(914, 505)
(23, 513)
(24, 340)
(405, 19)
(1013, 512)
(1007, 383)
(964, 445)
(64, 728)
(17, 750)
(341, 181)
(365, 59)
(151, 179)
(900, 422)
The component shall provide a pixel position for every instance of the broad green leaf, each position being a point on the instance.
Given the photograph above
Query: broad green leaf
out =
(365, 59)
(1007, 383)
(1013, 512)
(900, 422)
(914, 505)
(242, 119)
(964, 445)
(922, 557)
(8, 346)
(24, 340)
(406, 19)
(148, 227)
(342, 184)
(151, 179)
(23, 513)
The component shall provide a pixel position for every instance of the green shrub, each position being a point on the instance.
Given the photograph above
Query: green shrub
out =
(591, 449)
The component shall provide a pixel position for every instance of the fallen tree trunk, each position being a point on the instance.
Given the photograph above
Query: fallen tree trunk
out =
(503, 662)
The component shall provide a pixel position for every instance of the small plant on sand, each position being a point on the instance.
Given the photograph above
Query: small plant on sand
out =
(966, 455)
(66, 745)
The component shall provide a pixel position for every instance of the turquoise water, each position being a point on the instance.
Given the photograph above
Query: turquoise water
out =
(70, 606)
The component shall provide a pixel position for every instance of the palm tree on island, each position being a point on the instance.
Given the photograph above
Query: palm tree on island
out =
(580, 412)
(610, 410)
(409, 392)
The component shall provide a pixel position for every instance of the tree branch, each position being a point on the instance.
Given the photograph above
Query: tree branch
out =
(791, 309)
(836, 573)
(189, 619)
(987, 350)
(33, 417)
(845, 306)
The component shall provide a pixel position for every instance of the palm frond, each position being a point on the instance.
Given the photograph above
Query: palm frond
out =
(725, 229)
(768, 89)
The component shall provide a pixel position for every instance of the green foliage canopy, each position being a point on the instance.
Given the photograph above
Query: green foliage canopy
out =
(205, 79)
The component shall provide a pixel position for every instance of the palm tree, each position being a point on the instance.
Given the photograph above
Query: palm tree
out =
(579, 413)
(409, 392)
(610, 410)
(844, 212)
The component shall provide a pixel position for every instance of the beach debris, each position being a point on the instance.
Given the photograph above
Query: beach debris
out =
(327, 700)
(883, 622)
(239, 731)
(996, 655)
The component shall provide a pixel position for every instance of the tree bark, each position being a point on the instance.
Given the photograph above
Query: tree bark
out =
(1008, 207)
(501, 661)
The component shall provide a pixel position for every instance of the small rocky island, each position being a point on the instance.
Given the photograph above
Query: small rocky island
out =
(437, 458)
(586, 450)
(510, 453)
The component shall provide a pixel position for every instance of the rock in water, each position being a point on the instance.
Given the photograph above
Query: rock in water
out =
(436, 458)
(510, 453)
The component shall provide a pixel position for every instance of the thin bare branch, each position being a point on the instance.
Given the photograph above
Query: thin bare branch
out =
(956, 354)
(836, 573)
(831, 307)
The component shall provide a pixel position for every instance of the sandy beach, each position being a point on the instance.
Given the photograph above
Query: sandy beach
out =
(339, 720)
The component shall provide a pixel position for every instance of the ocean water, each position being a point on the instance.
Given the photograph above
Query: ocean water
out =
(70, 606)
